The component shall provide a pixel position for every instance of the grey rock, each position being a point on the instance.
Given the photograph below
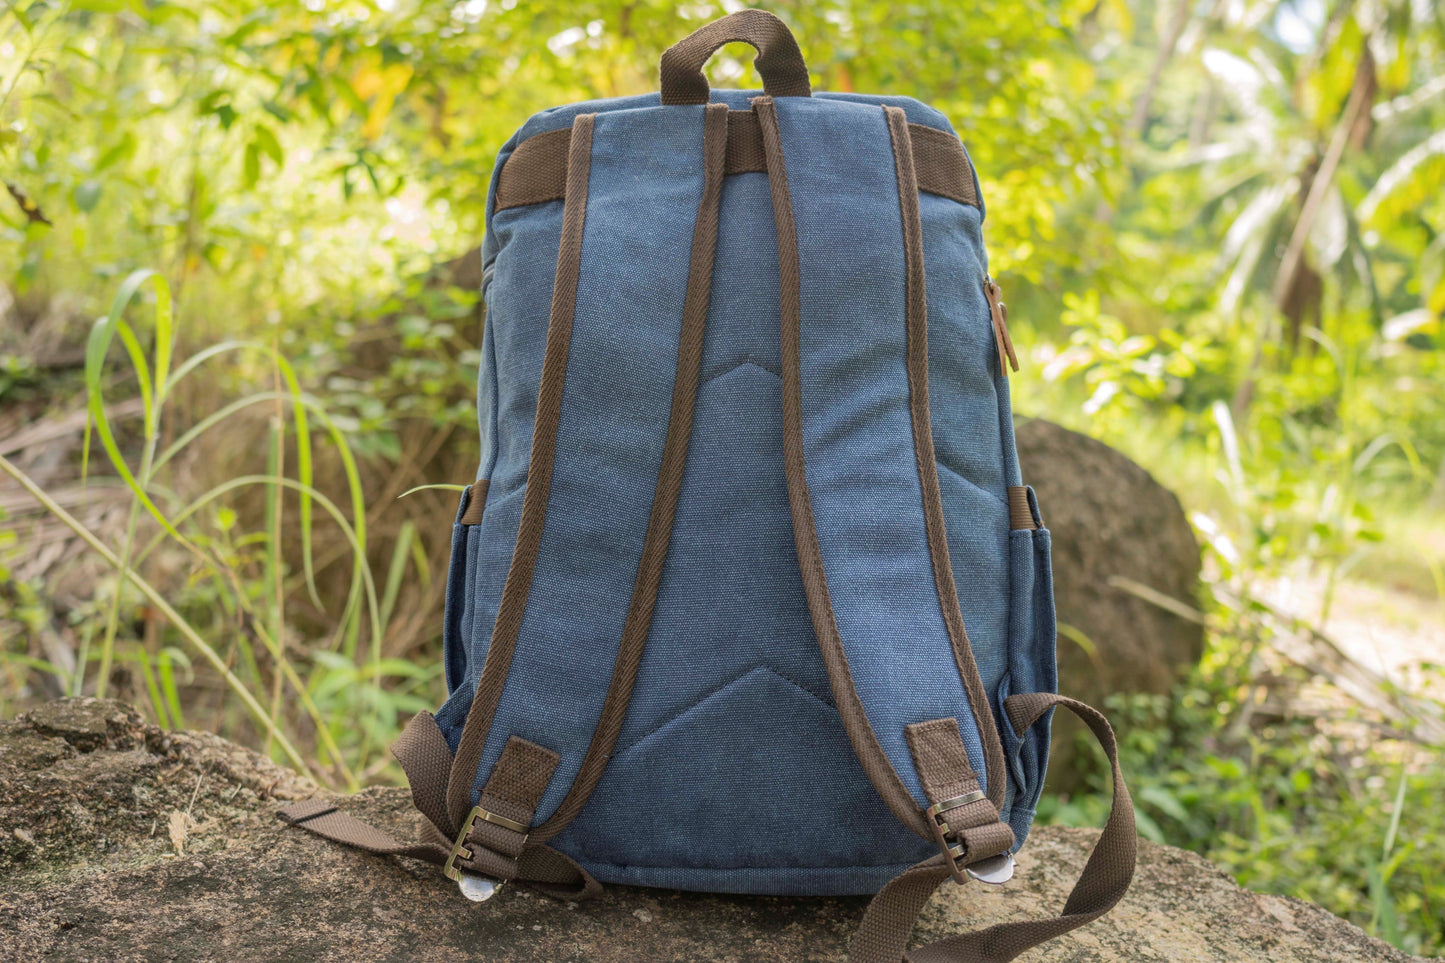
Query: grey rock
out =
(88, 871)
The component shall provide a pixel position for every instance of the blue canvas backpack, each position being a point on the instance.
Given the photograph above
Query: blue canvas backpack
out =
(749, 595)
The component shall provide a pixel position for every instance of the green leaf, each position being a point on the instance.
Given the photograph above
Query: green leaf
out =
(1164, 801)
(266, 142)
(276, 110)
(95, 350)
(161, 12)
(121, 150)
(87, 195)
(251, 165)
(440, 487)
(1147, 827)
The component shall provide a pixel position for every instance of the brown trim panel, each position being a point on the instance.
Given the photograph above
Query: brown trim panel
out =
(539, 478)
(916, 299)
(1020, 512)
(477, 502)
(669, 480)
(536, 171)
(941, 164)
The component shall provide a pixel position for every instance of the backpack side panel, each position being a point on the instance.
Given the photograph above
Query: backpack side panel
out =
(973, 437)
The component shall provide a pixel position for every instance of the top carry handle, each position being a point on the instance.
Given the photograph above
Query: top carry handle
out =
(779, 61)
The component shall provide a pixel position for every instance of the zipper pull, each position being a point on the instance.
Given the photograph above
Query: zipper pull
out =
(998, 311)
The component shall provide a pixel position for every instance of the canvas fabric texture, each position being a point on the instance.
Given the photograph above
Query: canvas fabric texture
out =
(732, 699)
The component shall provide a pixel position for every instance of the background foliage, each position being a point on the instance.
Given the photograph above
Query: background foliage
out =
(1222, 228)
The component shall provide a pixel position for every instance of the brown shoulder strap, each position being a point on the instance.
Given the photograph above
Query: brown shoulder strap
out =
(961, 819)
(871, 754)
(883, 935)
(669, 484)
(927, 461)
(669, 481)
(496, 838)
(492, 839)
(518, 585)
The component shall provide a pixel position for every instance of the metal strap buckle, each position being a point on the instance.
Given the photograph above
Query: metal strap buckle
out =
(459, 848)
(936, 811)
(941, 831)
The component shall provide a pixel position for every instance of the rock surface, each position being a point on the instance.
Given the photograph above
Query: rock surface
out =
(1113, 528)
(122, 842)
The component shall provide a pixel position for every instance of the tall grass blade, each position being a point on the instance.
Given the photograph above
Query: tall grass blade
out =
(396, 571)
(158, 600)
(95, 351)
(437, 487)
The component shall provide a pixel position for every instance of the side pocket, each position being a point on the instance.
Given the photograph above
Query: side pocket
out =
(1032, 665)
(461, 579)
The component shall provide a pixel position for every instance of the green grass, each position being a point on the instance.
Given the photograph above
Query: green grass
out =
(1319, 481)
(341, 695)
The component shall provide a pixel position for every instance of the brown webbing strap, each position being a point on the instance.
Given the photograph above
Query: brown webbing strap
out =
(970, 820)
(940, 758)
(664, 505)
(936, 746)
(870, 752)
(916, 313)
(779, 61)
(871, 755)
(669, 479)
(508, 802)
(320, 816)
(540, 867)
(426, 759)
(539, 479)
(522, 773)
(511, 792)
(496, 840)
(888, 922)
(536, 171)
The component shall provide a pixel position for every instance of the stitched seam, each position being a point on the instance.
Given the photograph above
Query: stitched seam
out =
(971, 484)
(494, 443)
(552, 200)
(711, 694)
(745, 363)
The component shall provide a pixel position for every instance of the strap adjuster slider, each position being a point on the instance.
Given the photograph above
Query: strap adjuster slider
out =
(459, 848)
(954, 851)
